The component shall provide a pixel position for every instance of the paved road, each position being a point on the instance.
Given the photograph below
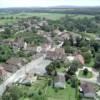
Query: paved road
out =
(37, 66)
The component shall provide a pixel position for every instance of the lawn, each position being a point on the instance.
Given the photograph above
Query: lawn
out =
(89, 75)
(61, 94)
(52, 94)
(62, 69)
(91, 64)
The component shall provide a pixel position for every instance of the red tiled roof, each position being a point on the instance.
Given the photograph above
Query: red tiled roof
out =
(80, 58)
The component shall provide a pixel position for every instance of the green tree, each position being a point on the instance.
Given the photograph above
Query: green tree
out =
(5, 52)
(97, 61)
(12, 93)
(73, 67)
(87, 56)
(85, 71)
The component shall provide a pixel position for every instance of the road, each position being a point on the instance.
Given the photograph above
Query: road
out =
(37, 66)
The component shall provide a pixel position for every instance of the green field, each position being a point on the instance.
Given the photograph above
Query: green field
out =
(51, 93)
(61, 94)
(89, 75)
(52, 16)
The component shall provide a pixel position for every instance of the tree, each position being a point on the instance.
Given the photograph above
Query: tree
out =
(61, 28)
(38, 96)
(13, 93)
(73, 67)
(73, 82)
(87, 56)
(85, 71)
(34, 30)
(97, 18)
(7, 31)
(97, 61)
(5, 52)
(95, 45)
(50, 69)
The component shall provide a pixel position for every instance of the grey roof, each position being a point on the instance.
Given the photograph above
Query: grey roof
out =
(60, 80)
(88, 89)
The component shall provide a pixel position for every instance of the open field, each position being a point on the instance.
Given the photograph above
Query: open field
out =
(52, 16)
(61, 94)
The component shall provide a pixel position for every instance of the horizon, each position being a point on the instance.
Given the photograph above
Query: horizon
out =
(48, 3)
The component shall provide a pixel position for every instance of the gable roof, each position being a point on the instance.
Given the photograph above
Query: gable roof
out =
(15, 61)
(2, 71)
(88, 88)
(58, 53)
(10, 68)
(80, 58)
(59, 80)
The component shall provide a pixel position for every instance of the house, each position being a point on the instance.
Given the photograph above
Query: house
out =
(80, 58)
(16, 61)
(27, 79)
(58, 53)
(3, 73)
(13, 64)
(59, 81)
(6, 42)
(42, 23)
(65, 35)
(18, 44)
(29, 47)
(69, 58)
(88, 90)
(57, 31)
(43, 48)
(9, 68)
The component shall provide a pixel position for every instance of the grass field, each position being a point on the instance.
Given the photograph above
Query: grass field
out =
(52, 16)
(89, 75)
(61, 94)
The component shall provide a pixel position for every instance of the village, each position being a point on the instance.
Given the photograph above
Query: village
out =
(42, 53)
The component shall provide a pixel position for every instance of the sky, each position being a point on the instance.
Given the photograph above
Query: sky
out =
(47, 3)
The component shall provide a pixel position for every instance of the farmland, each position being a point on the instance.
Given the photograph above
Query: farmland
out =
(52, 16)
